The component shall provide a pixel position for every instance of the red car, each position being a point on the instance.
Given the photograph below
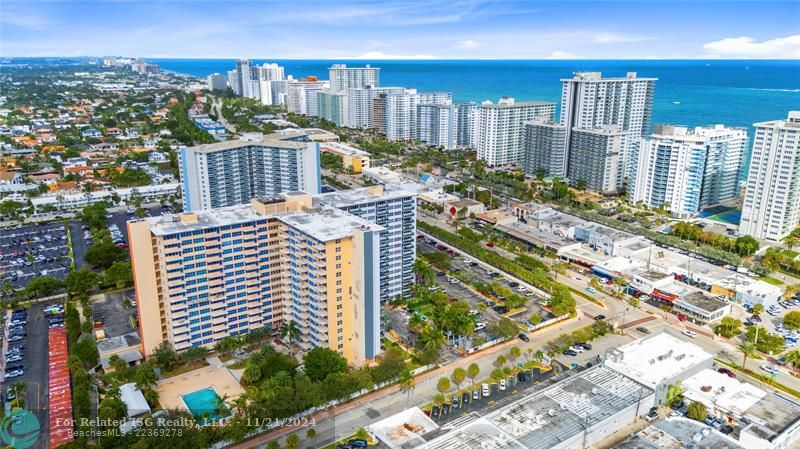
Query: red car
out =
(727, 372)
(490, 244)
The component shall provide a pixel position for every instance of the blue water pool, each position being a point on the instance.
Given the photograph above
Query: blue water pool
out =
(204, 406)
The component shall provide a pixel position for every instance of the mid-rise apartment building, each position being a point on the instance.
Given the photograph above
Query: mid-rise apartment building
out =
(343, 77)
(771, 208)
(235, 171)
(392, 207)
(544, 149)
(498, 139)
(685, 171)
(203, 276)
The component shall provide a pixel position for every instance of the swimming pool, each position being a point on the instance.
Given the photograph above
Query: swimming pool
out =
(204, 406)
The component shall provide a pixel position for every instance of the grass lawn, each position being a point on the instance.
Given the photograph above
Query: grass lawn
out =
(771, 280)
(183, 369)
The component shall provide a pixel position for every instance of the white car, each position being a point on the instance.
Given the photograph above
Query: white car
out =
(770, 369)
(521, 288)
(690, 334)
(502, 385)
(577, 348)
(485, 390)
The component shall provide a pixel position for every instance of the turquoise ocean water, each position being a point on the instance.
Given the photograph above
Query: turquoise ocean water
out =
(691, 92)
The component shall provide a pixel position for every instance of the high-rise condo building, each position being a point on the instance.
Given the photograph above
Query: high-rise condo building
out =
(332, 106)
(544, 149)
(392, 207)
(235, 171)
(437, 125)
(465, 123)
(233, 81)
(343, 77)
(217, 82)
(685, 171)
(498, 140)
(771, 208)
(590, 101)
(203, 276)
(247, 79)
(600, 152)
(301, 97)
(267, 75)
(361, 105)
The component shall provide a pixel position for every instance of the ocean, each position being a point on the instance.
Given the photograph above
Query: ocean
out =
(688, 92)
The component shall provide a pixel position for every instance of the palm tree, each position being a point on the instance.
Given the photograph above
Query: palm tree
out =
(791, 240)
(407, 383)
(748, 349)
(290, 331)
(558, 268)
(793, 357)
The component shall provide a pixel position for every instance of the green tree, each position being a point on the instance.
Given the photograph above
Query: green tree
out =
(165, 356)
(42, 286)
(291, 331)
(792, 320)
(758, 309)
(273, 445)
(505, 328)
(293, 441)
(498, 374)
(459, 375)
(104, 253)
(443, 384)
(793, 358)
(729, 327)
(473, 370)
(86, 351)
(697, 411)
(319, 362)
(81, 281)
(119, 275)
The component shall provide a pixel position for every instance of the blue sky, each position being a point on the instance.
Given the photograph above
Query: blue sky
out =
(456, 29)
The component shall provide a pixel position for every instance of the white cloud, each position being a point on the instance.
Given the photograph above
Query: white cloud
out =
(558, 54)
(382, 55)
(468, 43)
(615, 38)
(747, 47)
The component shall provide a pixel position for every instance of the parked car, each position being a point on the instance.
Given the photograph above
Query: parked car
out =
(727, 372)
(570, 352)
(690, 334)
(485, 390)
(599, 317)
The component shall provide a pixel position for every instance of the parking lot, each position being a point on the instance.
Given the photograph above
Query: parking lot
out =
(25, 363)
(27, 252)
(485, 397)
(114, 312)
(471, 269)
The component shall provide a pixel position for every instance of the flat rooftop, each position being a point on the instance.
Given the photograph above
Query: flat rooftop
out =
(364, 195)
(670, 261)
(771, 413)
(550, 416)
(653, 276)
(517, 104)
(656, 359)
(677, 433)
(170, 224)
(703, 301)
(327, 223)
(275, 140)
(341, 148)
(534, 236)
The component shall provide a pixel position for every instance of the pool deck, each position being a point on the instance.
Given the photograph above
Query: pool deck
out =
(170, 390)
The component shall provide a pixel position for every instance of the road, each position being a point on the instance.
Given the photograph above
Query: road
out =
(216, 109)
